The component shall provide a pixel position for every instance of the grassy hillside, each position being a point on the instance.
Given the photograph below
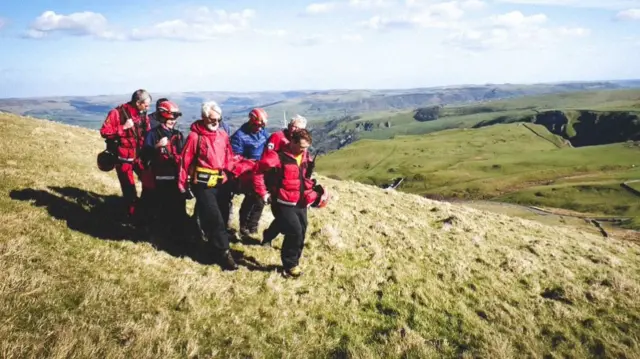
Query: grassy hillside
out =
(514, 162)
(387, 275)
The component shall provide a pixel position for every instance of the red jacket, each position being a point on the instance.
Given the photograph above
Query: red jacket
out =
(279, 174)
(277, 141)
(214, 154)
(130, 141)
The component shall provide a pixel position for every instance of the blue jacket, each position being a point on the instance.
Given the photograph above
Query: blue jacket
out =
(247, 144)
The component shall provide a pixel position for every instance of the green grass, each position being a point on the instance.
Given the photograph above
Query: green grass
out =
(387, 275)
(507, 162)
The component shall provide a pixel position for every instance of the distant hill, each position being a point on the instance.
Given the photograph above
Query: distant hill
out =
(321, 105)
(386, 274)
(596, 106)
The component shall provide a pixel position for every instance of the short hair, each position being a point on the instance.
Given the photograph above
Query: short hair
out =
(303, 134)
(300, 119)
(140, 95)
(208, 106)
(161, 100)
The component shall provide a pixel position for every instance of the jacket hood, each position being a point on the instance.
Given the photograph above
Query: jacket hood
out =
(199, 128)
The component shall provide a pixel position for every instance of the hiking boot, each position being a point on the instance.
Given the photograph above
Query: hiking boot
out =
(294, 272)
(227, 262)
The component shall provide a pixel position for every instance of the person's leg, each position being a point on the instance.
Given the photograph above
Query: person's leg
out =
(255, 212)
(213, 224)
(289, 223)
(128, 186)
(269, 234)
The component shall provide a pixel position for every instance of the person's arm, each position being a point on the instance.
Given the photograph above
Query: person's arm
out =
(187, 154)
(269, 161)
(111, 128)
(237, 143)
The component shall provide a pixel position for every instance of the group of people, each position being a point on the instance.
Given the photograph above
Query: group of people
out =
(212, 165)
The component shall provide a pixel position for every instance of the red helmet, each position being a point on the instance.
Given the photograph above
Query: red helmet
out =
(169, 110)
(258, 117)
(106, 161)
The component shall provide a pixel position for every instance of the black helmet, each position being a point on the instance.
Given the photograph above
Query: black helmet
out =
(106, 161)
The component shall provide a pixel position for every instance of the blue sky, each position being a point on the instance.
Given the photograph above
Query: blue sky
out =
(76, 47)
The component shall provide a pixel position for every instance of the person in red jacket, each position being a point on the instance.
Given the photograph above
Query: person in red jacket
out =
(207, 158)
(161, 154)
(280, 178)
(124, 130)
(275, 142)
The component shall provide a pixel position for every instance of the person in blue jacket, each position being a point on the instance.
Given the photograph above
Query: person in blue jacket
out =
(248, 144)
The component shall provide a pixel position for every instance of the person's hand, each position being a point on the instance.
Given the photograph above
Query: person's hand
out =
(266, 198)
(187, 194)
(163, 142)
(127, 125)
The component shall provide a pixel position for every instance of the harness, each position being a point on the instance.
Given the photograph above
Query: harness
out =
(172, 139)
(202, 175)
(113, 144)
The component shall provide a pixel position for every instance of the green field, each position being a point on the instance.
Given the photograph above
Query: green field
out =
(505, 162)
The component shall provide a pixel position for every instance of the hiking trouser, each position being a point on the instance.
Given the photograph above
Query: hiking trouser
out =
(169, 207)
(250, 212)
(292, 221)
(273, 230)
(125, 172)
(210, 203)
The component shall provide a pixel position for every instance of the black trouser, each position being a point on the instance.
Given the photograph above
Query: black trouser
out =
(211, 205)
(274, 229)
(169, 207)
(224, 196)
(292, 221)
(251, 211)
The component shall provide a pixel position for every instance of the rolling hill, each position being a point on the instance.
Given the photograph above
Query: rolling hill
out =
(387, 274)
(317, 105)
(622, 104)
(517, 163)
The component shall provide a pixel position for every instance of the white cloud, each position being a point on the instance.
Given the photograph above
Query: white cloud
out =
(629, 14)
(276, 33)
(517, 19)
(85, 23)
(598, 4)
(512, 30)
(198, 24)
(320, 8)
(311, 40)
(425, 14)
(371, 4)
(352, 38)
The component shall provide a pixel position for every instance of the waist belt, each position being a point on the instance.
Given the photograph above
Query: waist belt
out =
(165, 178)
(208, 176)
(123, 159)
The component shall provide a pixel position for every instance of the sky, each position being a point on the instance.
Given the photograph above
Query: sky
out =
(84, 48)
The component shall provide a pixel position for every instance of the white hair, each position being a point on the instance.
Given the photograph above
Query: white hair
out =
(302, 122)
(210, 106)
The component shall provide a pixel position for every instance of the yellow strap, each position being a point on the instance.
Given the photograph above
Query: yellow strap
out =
(208, 170)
